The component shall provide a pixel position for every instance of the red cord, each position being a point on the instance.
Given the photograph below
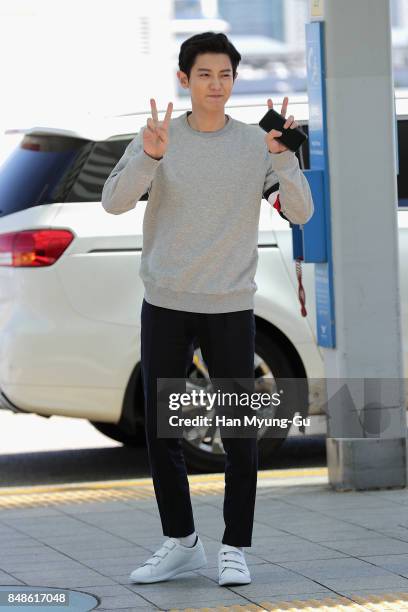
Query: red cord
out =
(301, 291)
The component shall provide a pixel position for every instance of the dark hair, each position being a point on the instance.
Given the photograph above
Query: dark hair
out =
(207, 42)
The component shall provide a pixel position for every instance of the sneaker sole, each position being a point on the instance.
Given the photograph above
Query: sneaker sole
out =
(234, 582)
(175, 572)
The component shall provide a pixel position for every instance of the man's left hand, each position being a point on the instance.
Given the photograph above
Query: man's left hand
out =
(275, 146)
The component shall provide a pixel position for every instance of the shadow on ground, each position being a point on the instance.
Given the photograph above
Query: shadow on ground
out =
(122, 462)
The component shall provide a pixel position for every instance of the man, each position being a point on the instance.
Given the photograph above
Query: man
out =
(206, 174)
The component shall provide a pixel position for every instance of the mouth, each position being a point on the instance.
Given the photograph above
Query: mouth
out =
(215, 96)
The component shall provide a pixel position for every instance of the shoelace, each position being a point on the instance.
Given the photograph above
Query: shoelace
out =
(226, 561)
(158, 557)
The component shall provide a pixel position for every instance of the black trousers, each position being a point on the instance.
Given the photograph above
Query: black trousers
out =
(227, 342)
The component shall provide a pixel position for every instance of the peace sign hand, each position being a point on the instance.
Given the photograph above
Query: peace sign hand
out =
(156, 133)
(275, 146)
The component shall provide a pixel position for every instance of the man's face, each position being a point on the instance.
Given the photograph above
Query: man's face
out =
(210, 80)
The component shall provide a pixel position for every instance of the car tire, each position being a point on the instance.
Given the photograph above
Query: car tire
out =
(136, 438)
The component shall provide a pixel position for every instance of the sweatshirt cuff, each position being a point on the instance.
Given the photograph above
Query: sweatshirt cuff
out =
(283, 160)
(145, 163)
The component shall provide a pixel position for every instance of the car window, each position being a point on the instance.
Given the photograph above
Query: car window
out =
(45, 169)
(35, 170)
(99, 163)
(402, 178)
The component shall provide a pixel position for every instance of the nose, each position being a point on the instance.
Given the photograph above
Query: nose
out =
(215, 86)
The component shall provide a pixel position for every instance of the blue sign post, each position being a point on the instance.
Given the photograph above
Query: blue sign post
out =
(317, 232)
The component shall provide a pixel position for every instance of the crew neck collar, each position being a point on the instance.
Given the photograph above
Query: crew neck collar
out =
(219, 132)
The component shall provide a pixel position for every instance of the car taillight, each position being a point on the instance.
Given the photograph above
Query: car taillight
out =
(33, 248)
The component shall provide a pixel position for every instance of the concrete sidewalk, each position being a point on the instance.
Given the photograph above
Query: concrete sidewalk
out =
(329, 550)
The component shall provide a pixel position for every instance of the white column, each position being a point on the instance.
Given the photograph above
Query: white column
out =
(365, 448)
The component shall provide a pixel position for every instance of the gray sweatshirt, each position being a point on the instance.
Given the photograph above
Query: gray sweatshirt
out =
(200, 226)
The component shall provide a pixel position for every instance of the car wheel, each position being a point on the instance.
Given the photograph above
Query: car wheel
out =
(203, 449)
(115, 432)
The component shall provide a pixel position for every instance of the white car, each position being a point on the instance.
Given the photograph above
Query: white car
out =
(71, 295)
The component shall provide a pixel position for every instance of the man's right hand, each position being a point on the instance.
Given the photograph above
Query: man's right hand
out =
(156, 133)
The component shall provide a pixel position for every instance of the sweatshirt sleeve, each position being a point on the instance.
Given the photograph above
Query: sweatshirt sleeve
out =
(130, 178)
(294, 202)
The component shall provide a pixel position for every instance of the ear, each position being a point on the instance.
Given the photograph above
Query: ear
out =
(183, 79)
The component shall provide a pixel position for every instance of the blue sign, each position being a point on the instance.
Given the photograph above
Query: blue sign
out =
(314, 247)
(319, 160)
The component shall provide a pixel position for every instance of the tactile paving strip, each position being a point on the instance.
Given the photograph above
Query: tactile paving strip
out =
(206, 484)
(374, 603)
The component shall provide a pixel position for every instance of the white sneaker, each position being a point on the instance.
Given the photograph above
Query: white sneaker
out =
(171, 559)
(232, 567)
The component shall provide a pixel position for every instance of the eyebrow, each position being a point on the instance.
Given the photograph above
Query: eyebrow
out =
(209, 70)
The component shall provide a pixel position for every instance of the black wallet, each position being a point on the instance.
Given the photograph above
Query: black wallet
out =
(291, 138)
